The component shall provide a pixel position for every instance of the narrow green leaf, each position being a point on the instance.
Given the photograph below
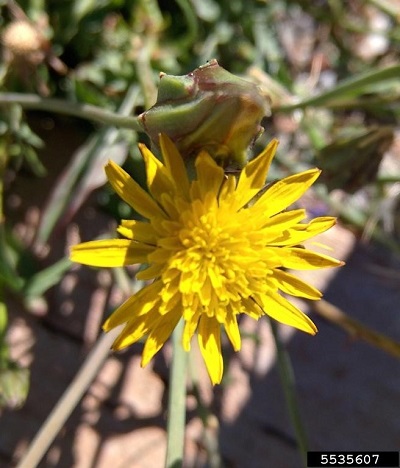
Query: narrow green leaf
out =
(351, 87)
(38, 284)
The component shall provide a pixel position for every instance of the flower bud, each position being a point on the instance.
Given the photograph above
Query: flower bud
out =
(352, 161)
(23, 41)
(208, 109)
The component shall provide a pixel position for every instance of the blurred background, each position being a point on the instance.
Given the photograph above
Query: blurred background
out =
(331, 72)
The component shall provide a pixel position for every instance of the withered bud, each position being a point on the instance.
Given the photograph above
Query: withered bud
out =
(208, 109)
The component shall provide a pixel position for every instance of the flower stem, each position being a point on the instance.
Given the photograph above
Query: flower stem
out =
(288, 383)
(348, 88)
(69, 400)
(177, 402)
(210, 428)
(60, 106)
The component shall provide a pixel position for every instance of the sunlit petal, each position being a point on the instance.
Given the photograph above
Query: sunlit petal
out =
(110, 253)
(285, 312)
(175, 165)
(160, 332)
(286, 191)
(131, 192)
(302, 259)
(253, 176)
(209, 334)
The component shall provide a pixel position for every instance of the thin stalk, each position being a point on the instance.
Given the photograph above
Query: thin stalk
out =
(3, 306)
(288, 383)
(145, 74)
(209, 437)
(354, 328)
(145, 47)
(177, 402)
(352, 86)
(192, 23)
(68, 402)
(60, 106)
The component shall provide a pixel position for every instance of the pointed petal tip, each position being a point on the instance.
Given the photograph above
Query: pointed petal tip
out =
(164, 139)
(274, 143)
(116, 346)
(144, 361)
(215, 382)
(308, 326)
(214, 374)
(106, 327)
(166, 144)
(111, 167)
(314, 332)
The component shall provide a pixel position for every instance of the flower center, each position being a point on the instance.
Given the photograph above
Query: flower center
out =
(214, 267)
(205, 243)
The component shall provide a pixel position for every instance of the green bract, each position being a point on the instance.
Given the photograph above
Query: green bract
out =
(207, 109)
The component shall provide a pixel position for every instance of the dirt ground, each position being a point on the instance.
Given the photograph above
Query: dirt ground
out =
(349, 392)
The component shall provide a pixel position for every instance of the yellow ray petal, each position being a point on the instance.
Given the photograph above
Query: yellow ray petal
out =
(226, 195)
(303, 259)
(190, 328)
(138, 230)
(302, 232)
(253, 176)
(284, 220)
(175, 165)
(131, 192)
(252, 308)
(110, 253)
(209, 177)
(151, 272)
(141, 303)
(278, 226)
(158, 180)
(286, 191)
(132, 332)
(294, 286)
(161, 331)
(232, 330)
(283, 311)
(209, 337)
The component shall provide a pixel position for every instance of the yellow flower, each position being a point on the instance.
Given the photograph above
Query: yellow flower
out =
(215, 247)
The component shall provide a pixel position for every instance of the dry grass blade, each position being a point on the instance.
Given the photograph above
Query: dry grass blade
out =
(355, 328)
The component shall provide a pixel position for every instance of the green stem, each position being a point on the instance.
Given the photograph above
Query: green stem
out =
(3, 307)
(146, 78)
(352, 86)
(389, 179)
(60, 106)
(145, 47)
(191, 22)
(68, 402)
(387, 6)
(209, 438)
(177, 402)
(288, 383)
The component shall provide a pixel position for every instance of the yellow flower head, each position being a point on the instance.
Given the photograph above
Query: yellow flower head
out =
(215, 247)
